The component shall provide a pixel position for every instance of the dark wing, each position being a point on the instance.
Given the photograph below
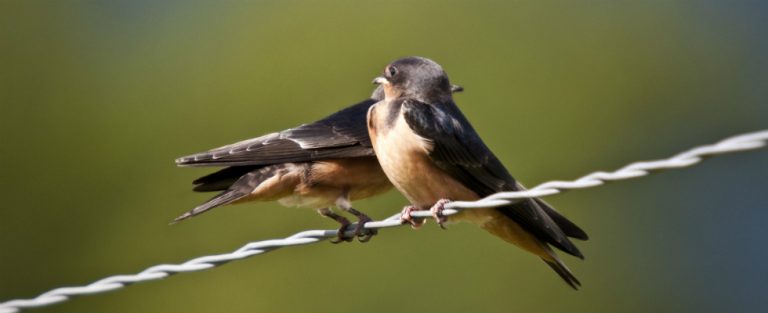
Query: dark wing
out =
(458, 150)
(343, 134)
(223, 178)
(569, 228)
(456, 147)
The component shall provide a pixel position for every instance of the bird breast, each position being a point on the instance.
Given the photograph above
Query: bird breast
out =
(404, 157)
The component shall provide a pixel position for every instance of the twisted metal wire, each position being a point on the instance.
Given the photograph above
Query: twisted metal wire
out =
(744, 142)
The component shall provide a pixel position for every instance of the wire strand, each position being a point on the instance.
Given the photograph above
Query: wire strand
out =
(744, 142)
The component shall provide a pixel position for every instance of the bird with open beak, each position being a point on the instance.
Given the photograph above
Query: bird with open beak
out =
(318, 165)
(432, 155)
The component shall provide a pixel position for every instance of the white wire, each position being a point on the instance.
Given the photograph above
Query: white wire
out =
(749, 141)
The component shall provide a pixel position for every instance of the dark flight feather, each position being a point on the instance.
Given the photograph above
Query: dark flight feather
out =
(241, 187)
(343, 134)
(222, 179)
(458, 150)
(569, 228)
(564, 273)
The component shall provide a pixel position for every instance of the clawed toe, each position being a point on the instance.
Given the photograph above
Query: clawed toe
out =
(437, 212)
(340, 235)
(366, 235)
(363, 234)
(407, 218)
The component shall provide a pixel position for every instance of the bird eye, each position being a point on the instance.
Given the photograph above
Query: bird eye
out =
(392, 71)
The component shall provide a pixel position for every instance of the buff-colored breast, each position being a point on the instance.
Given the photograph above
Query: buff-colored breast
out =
(404, 157)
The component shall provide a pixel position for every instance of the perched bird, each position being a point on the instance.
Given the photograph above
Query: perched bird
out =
(318, 165)
(432, 155)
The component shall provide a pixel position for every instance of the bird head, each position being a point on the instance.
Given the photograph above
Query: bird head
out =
(415, 77)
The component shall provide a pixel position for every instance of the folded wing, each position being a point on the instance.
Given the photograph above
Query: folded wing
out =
(343, 134)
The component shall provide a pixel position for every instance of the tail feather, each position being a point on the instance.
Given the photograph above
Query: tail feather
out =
(223, 198)
(545, 223)
(244, 184)
(569, 228)
(550, 232)
(222, 179)
(564, 272)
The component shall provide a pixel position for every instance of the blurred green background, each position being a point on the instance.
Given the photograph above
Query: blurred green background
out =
(97, 98)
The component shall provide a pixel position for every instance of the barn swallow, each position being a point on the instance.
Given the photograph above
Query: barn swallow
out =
(319, 165)
(432, 155)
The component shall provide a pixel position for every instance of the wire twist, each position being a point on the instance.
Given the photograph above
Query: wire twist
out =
(744, 142)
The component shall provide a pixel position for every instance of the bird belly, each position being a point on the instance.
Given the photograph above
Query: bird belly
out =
(313, 202)
(324, 182)
(354, 178)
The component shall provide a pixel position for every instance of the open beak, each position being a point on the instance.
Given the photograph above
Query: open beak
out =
(380, 80)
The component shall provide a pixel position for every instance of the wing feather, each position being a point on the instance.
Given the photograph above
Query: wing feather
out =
(340, 135)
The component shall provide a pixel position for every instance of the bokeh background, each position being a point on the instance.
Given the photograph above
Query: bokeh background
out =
(97, 98)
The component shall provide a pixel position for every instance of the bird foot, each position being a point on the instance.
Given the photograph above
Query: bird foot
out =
(407, 218)
(437, 212)
(363, 234)
(342, 230)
